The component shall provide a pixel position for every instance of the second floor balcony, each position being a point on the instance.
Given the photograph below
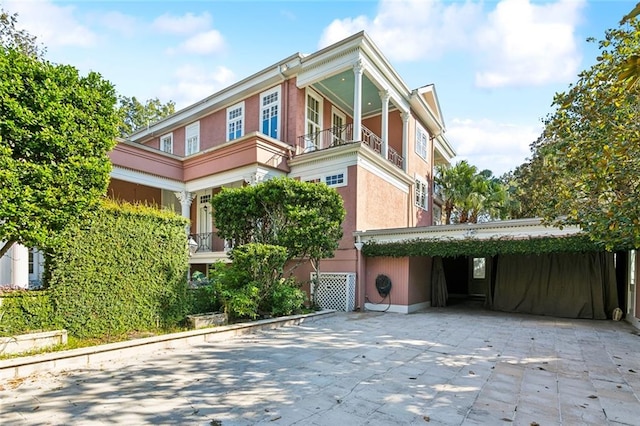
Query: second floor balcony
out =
(342, 135)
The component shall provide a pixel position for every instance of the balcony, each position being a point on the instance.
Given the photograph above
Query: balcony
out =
(209, 242)
(343, 135)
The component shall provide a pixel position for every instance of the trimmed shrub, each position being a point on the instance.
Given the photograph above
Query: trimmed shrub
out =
(23, 311)
(253, 285)
(123, 270)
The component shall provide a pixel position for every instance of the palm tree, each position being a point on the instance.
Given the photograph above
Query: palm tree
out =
(470, 195)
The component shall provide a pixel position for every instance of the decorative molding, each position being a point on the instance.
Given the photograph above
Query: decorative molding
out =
(185, 197)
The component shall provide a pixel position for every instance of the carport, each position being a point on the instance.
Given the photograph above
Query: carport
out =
(513, 266)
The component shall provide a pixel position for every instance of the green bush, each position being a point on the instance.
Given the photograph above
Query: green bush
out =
(23, 311)
(123, 270)
(285, 298)
(253, 286)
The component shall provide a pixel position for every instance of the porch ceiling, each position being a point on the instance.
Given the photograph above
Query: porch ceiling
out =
(339, 90)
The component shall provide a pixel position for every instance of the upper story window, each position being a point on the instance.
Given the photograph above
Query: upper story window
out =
(235, 121)
(166, 143)
(422, 141)
(334, 180)
(270, 112)
(422, 194)
(192, 138)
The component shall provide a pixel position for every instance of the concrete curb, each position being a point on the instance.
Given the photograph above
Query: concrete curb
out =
(83, 357)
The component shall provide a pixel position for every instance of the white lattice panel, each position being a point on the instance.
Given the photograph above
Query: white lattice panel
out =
(336, 290)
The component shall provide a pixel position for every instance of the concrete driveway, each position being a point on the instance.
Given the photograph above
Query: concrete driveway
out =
(444, 366)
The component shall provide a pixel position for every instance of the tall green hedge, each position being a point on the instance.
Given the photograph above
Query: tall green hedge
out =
(123, 270)
(23, 311)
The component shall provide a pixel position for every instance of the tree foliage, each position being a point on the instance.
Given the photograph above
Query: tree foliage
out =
(589, 153)
(305, 218)
(20, 40)
(135, 115)
(56, 128)
(470, 195)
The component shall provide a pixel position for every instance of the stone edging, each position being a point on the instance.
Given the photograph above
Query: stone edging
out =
(83, 357)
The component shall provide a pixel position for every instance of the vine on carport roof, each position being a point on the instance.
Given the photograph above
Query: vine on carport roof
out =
(482, 248)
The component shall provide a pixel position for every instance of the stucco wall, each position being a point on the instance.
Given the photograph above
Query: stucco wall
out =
(397, 269)
(380, 204)
(419, 279)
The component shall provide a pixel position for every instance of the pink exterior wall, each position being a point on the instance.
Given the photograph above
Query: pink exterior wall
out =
(395, 268)
(417, 166)
(134, 157)
(294, 107)
(212, 130)
(349, 197)
(419, 279)
(251, 149)
(133, 192)
(380, 204)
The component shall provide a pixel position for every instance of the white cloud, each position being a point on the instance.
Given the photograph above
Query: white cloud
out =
(519, 42)
(529, 44)
(194, 83)
(185, 24)
(53, 25)
(487, 144)
(408, 30)
(203, 43)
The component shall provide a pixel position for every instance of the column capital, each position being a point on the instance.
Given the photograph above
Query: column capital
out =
(185, 197)
(358, 67)
(384, 95)
(255, 177)
(405, 116)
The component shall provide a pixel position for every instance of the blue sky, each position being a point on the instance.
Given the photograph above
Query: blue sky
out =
(496, 64)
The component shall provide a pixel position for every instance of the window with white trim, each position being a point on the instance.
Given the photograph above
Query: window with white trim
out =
(192, 138)
(235, 121)
(270, 112)
(422, 194)
(422, 141)
(166, 143)
(334, 180)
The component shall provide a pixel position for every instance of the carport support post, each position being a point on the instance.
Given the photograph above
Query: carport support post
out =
(360, 281)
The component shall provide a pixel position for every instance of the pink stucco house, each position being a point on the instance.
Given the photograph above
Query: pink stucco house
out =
(341, 116)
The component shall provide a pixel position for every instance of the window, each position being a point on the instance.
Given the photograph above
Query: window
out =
(422, 194)
(334, 180)
(338, 121)
(166, 143)
(269, 112)
(235, 121)
(192, 138)
(314, 121)
(422, 141)
(479, 268)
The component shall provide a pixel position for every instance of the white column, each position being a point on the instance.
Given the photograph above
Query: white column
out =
(384, 97)
(358, 69)
(405, 139)
(20, 266)
(185, 198)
